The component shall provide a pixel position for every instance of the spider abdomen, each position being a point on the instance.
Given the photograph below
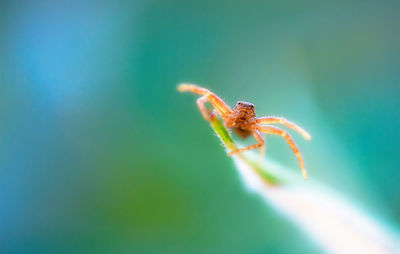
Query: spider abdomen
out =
(241, 132)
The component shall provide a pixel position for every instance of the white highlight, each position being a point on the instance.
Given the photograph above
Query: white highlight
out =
(333, 223)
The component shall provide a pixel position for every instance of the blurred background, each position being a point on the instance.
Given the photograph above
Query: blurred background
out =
(100, 154)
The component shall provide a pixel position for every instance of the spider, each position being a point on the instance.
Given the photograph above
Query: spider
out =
(243, 121)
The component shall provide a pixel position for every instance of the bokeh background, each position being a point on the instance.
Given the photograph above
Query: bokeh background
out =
(100, 154)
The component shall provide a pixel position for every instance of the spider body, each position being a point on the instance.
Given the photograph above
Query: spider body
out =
(243, 121)
(241, 132)
(242, 115)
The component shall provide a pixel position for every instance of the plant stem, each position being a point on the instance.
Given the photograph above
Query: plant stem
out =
(333, 222)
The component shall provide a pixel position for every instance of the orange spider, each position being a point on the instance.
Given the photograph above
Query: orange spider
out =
(244, 122)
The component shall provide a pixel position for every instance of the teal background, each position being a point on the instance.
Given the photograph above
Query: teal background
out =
(100, 154)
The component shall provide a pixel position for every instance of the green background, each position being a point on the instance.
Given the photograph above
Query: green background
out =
(100, 154)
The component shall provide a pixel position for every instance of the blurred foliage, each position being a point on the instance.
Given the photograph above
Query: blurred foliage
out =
(99, 154)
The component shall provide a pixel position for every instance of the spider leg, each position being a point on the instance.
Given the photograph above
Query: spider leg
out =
(281, 120)
(214, 100)
(261, 150)
(289, 140)
(260, 143)
(200, 103)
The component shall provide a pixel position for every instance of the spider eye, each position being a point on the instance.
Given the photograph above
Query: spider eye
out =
(252, 106)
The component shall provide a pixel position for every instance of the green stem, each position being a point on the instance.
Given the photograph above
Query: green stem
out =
(256, 164)
(319, 212)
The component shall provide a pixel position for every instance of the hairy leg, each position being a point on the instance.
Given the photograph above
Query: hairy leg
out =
(260, 143)
(261, 150)
(200, 103)
(215, 101)
(185, 87)
(281, 120)
(289, 140)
